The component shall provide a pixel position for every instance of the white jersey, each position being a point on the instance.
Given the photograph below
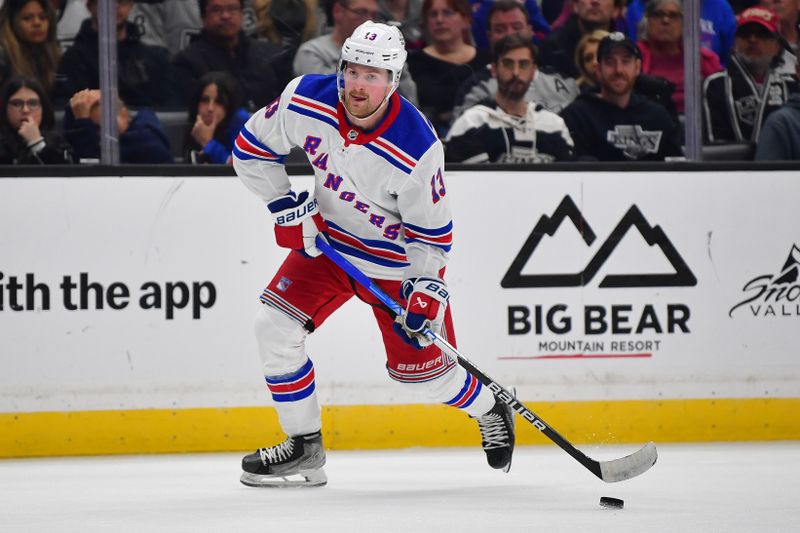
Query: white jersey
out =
(381, 192)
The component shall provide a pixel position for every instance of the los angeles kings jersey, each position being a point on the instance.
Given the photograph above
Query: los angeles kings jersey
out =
(382, 192)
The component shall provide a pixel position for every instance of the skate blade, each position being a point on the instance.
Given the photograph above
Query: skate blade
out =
(304, 478)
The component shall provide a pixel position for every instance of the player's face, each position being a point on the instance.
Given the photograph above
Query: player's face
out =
(223, 18)
(24, 105)
(364, 89)
(32, 23)
(514, 72)
(505, 23)
(597, 13)
(618, 71)
(210, 109)
(665, 23)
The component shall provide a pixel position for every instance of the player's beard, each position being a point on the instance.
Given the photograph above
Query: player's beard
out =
(513, 89)
(367, 108)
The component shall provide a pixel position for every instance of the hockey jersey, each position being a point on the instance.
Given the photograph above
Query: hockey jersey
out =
(382, 191)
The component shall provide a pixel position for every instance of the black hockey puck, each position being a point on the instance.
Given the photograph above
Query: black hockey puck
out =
(611, 503)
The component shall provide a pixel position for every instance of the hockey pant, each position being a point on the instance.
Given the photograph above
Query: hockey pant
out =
(303, 293)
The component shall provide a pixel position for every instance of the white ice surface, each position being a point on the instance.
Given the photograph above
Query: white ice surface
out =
(726, 488)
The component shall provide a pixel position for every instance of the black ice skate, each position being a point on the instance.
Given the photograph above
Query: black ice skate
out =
(296, 462)
(497, 435)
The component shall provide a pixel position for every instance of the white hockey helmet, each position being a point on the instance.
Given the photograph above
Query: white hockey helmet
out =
(374, 44)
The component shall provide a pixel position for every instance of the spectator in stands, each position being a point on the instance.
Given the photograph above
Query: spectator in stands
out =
(661, 44)
(737, 100)
(481, 10)
(717, 25)
(655, 88)
(447, 62)
(618, 124)
(586, 60)
(141, 139)
(216, 115)
(286, 22)
(168, 23)
(558, 49)
(789, 14)
(144, 76)
(780, 136)
(549, 89)
(786, 66)
(507, 128)
(26, 122)
(28, 45)
(223, 46)
(406, 15)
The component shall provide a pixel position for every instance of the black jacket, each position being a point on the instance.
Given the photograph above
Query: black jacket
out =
(253, 63)
(602, 131)
(143, 142)
(733, 107)
(144, 75)
(56, 151)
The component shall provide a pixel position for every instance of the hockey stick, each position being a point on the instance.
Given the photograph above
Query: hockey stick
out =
(609, 471)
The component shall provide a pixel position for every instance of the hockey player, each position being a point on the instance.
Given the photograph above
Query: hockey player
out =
(380, 199)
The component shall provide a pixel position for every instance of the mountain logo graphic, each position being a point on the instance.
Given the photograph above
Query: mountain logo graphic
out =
(633, 218)
(768, 292)
(789, 273)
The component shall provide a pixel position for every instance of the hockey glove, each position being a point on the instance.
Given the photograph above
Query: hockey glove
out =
(427, 300)
(297, 222)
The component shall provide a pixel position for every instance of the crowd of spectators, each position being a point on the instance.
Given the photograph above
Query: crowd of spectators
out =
(513, 81)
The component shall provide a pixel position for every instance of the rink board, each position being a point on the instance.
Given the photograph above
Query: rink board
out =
(668, 299)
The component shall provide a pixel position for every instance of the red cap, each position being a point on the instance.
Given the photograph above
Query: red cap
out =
(758, 15)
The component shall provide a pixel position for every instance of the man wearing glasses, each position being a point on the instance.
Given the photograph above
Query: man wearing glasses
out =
(321, 55)
(223, 46)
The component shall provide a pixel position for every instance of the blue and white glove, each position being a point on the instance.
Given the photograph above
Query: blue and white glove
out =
(426, 302)
(297, 222)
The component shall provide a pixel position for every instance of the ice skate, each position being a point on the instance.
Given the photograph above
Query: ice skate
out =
(497, 435)
(296, 462)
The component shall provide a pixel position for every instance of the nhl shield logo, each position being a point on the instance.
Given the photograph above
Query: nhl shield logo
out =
(352, 135)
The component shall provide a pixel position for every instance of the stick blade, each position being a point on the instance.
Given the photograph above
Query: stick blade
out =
(631, 466)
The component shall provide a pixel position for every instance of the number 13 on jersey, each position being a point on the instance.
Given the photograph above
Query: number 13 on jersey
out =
(437, 186)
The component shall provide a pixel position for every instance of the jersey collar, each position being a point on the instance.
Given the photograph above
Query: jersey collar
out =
(355, 135)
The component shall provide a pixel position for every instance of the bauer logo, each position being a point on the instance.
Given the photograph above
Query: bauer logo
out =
(632, 220)
(773, 294)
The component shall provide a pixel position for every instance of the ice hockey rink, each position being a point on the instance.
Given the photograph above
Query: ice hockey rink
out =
(726, 488)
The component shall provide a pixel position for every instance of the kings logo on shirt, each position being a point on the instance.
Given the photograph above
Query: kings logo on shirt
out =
(634, 141)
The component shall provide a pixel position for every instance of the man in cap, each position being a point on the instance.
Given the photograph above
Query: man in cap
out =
(380, 199)
(737, 100)
(618, 124)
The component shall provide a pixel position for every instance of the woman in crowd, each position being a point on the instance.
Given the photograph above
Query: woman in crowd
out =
(28, 41)
(216, 116)
(586, 59)
(447, 62)
(26, 121)
(661, 44)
